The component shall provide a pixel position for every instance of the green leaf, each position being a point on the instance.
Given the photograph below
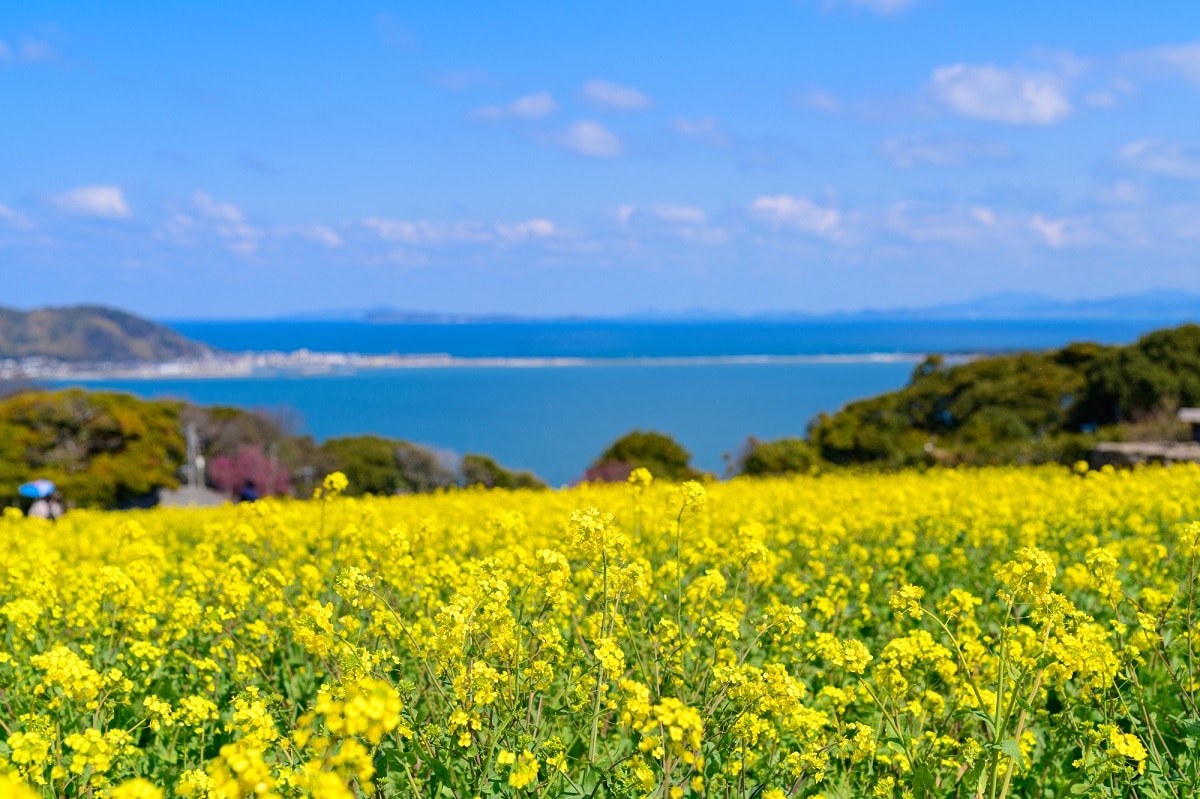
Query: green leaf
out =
(923, 782)
(977, 714)
(1188, 726)
(1011, 749)
(1080, 787)
(441, 772)
(971, 778)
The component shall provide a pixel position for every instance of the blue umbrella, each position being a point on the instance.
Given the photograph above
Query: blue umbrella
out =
(37, 489)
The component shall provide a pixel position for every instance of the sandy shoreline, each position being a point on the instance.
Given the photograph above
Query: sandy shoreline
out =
(301, 363)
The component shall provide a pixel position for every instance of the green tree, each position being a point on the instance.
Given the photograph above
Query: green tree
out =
(659, 453)
(484, 471)
(369, 463)
(784, 456)
(376, 465)
(101, 449)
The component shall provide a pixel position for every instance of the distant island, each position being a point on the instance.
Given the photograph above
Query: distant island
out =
(1161, 305)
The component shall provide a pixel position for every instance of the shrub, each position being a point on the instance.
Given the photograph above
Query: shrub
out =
(482, 470)
(784, 456)
(659, 453)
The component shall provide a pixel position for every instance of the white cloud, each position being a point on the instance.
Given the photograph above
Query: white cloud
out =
(424, 232)
(531, 106)
(1123, 192)
(1178, 59)
(36, 50)
(1052, 231)
(1161, 158)
(878, 6)
(907, 153)
(1013, 96)
(613, 95)
(686, 214)
(522, 231)
(818, 100)
(591, 139)
(463, 79)
(99, 202)
(1063, 232)
(228, 222)
(223, 212)
(14, 219)
(799, 213)
(705, 129)
(956, 224)
(322, 235)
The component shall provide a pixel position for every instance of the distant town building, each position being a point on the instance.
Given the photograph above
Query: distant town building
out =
(1130, 453)
(1192, 417)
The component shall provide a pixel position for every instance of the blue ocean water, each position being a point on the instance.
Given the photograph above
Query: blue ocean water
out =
(556, 420)
(619, 339)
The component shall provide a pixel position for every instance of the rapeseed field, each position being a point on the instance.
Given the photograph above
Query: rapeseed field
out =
(972, 633)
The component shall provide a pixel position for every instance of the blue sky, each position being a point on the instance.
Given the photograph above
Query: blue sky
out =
(245, 160)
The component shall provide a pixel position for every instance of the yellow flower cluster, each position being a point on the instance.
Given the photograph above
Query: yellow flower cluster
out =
(997, 632)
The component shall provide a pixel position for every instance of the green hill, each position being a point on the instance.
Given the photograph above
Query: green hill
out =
(91, 334)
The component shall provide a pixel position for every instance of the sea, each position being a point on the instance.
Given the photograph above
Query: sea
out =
(550, 396)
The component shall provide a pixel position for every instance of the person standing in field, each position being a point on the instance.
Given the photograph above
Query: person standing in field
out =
(46, 508)
(249, 492)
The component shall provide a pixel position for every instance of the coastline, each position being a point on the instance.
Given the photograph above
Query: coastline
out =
(307, 363)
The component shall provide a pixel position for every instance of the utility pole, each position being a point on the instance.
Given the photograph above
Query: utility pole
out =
(193, 456)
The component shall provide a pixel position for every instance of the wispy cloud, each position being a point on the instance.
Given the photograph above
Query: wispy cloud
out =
(1161, 158)
(531, 106)
(1123, 192)
(798, 213)
(97, 202)
(36, 50)
(14, 219)
(425, 232)
(688, 214)
(1083, 230)
(590, 139)
(524, 231)
(955, 224)
(29, 50)
(321, 234)
(819, 100)
(463, 79)
(607, 94)
(915, 151)
(1052, 231)
(227, 221)
(1012, 96)
(1182, 60)
(702, 129)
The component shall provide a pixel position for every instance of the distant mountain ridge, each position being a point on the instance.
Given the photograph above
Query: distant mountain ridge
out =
(88, 333)
(1158, 304)
(1165, 305)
